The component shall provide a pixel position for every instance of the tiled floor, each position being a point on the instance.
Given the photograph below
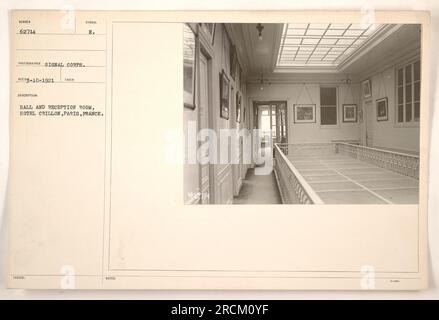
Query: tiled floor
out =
(339, 179)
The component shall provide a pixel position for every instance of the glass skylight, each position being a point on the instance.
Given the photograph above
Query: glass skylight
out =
(321, 44)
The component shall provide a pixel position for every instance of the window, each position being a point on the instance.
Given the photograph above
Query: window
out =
(328, 106)
(408, 93)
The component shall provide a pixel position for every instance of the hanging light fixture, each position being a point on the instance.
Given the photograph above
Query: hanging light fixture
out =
(259, 27)
(262, 82)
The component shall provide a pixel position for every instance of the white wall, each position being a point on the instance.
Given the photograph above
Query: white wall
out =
(191, 172)
(298, 94)
(223, 172)
(226, 177)
(388, 134)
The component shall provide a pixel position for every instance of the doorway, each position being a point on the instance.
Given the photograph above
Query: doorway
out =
(272, 121)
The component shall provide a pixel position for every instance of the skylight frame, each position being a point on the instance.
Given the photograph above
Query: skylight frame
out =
(322, 45)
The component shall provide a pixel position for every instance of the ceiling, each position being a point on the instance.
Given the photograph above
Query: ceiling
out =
(257, 54)
(322, 44)
(381, 45)
(398, 44)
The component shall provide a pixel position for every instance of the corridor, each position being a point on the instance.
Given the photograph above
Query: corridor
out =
(258, 189)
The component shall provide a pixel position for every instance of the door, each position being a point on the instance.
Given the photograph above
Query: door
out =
(368, 108)
(272, 120)
(264, 112)
(204, 124)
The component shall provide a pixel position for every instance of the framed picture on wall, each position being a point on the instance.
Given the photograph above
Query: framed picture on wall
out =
(189, 67)
(382, 109)
(304, 113)
(224, 95)
(238, 106)
(349, 113)
(367, 89)
(209, 30)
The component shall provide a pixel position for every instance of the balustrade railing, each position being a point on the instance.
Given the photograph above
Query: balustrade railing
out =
(402, 163)
(295, 189)
(292, 186)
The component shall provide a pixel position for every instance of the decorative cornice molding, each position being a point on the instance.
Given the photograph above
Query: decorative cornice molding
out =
(236, 37)
(303, 78)
(391, 61)
(276, 45)
(369, 44)
(247, 49)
